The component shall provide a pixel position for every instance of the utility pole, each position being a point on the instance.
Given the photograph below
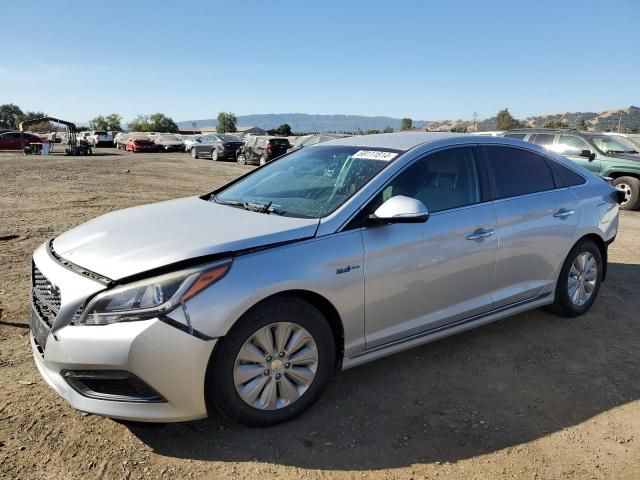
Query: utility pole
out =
(475, 121)
(619, 121)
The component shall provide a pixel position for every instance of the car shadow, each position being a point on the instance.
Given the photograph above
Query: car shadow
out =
(495, 387)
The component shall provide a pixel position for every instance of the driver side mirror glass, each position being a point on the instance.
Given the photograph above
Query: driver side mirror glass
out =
(400, 209)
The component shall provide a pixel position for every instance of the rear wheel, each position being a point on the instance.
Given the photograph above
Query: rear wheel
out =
(579, 281)
(263, 160)
(214, 155)
(273, 365)
(631, 188)
(194, 153)
(242, 160)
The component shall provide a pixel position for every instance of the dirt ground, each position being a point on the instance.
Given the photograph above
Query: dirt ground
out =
(534, 396)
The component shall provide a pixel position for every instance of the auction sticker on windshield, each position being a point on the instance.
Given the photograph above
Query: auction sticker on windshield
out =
(374, 155)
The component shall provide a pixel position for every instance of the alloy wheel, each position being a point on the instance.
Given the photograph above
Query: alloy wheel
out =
(241, 159)
(623, 187)
(583, 276)
(275, 366)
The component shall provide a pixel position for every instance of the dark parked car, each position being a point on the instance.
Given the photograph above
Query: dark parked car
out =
(309, 140)
(608, 155)
(217, 147)
(261, 150)
(17, 140)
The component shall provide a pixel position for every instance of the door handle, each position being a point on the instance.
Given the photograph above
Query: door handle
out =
(480, 233)
(563, 213)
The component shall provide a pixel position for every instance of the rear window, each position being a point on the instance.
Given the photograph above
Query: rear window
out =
(230, 138)
(518, 172)
(280, 142)
(100, 133)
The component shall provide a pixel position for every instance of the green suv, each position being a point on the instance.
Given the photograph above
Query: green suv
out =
(608, 155)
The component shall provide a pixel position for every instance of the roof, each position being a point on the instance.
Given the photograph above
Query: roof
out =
(399, 141)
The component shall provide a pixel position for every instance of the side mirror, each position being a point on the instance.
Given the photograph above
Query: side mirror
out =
(400, 209)
(587, 154)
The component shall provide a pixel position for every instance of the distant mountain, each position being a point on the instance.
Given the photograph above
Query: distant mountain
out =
(302, 122)
(629, 119)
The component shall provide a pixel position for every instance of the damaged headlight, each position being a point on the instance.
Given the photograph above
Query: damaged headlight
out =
(151, 297)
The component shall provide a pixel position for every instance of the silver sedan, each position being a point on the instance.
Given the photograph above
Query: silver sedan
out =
(254, 295)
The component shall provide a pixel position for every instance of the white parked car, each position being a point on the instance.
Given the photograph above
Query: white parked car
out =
(99, 138)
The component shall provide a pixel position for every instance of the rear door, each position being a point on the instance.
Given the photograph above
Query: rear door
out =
(571, 145)
(423, 276)
(536, 222)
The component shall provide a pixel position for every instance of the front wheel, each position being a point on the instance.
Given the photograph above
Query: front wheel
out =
(194, 154)
(242, 160)
(274, 363)
(579, 280)
(631, 188)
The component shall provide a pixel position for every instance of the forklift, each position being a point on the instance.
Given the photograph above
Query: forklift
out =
(74, 146)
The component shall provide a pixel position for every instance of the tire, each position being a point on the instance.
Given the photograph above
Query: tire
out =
(565, 304)
(214, 155)
(263, 161)
(631, 187)
(274, 372)
(242, 160)
(194, 153)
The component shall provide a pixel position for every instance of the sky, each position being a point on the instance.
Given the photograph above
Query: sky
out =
(428, 60)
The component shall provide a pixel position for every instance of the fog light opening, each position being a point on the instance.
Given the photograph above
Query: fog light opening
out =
(112, 385)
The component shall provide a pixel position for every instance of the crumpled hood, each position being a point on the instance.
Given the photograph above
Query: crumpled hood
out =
(134, 240)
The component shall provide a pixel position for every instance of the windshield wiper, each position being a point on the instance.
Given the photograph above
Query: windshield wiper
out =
(251, 206)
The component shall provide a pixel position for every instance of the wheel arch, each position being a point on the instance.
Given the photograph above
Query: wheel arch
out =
(323, 305)
(617, 173)
(602, 246)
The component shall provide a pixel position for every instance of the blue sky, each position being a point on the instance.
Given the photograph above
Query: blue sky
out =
(424, 59)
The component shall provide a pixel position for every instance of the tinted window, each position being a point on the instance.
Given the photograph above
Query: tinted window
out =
(280, 142)
(517, 136)
(568, 177)
(518, 172)
(441, 181)
(542, 138)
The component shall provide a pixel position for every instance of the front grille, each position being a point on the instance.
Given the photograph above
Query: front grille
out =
(44, 312)
(44, 290)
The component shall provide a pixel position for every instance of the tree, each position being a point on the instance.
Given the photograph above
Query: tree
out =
(158, 122)
(9, 114)
(227, 122)
(581, 125)
(284, 130)
(555, 123)
(373, 131)
(504, 120)
(388, 130)
(459, 129)
(407, 124)
(109, 123)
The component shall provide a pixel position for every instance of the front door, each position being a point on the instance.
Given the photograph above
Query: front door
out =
(422, 276)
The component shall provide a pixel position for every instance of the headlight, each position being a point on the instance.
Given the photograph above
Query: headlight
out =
(151, 297)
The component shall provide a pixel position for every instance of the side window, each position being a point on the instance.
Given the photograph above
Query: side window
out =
(568, 177)
(251, 142)
(542, 139)
(570, 144)
(518, 172)
(516, 136)
(441, 181)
